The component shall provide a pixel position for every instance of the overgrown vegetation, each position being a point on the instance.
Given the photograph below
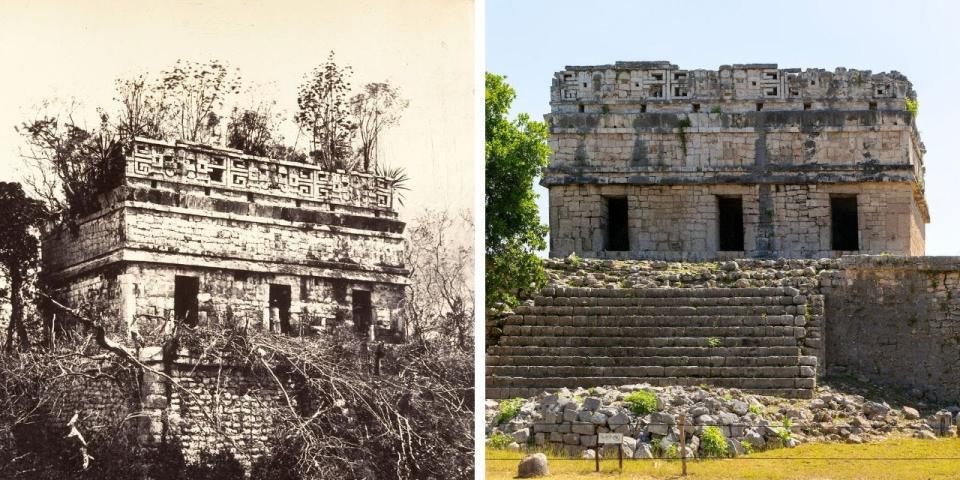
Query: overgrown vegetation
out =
(713, 443)
(499, 441)
(72, 162)
(682, 125)
(516, 153)
(913, 106)
(509, 409)
(641, 402)
(714, 342)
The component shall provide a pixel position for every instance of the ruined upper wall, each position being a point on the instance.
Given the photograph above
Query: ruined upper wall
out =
(660, 81)
(232, 175)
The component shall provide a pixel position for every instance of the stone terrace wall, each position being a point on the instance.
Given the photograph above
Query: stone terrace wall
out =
(896, 321)
(680, 222)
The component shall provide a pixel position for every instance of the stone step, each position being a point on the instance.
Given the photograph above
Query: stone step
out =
(666, 321)
(669, 292)
(653, 332)
(498, 393)
(627, 361)
(744, 383)
(750, 310)
(535, 351)
(687, 371)
(691, 301)
(580, 341)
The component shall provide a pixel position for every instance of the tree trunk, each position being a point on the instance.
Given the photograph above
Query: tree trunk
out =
(16, 308)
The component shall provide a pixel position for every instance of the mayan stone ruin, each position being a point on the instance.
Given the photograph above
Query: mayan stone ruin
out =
(208, 236)
(654, 161)
(750, 228)
(196, 232)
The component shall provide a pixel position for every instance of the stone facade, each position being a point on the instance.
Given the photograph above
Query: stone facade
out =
(652, 151)
(275, 244)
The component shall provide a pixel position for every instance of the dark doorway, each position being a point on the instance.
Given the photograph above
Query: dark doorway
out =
(730, 219)
(618, 231)
(844, 230)
(185, 291)
(362, 311)
(280, 299)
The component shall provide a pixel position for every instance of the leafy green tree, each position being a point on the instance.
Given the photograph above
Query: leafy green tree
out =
(19, 252)
(516, 153)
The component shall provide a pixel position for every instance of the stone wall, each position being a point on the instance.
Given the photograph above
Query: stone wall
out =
(784, 140)
(896, 321)
(680, 221)
(151, 411)
(315, 301)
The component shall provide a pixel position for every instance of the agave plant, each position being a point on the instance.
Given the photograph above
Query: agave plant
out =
(397, 178)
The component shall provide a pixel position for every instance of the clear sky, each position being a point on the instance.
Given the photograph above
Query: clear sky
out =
(529, 40)
(426, 47)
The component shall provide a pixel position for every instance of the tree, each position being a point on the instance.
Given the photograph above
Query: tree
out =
(194, 94)
(19, 252)
(73, 163)
(252, 131)
(325, 113)
(144, 109)
(440, 259)
(376, 108)
(516, 153)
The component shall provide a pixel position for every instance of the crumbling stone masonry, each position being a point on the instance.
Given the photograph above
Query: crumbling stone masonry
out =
(195, 233)
(653, 161)
(209, 236)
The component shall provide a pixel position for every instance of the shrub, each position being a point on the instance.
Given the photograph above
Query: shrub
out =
(499, 441)
(716, 110)
(747, 446)
(913, 106)
(755, 409)
(714, 342)
(509, 409)
(641, 402)
(713, 443)
(784, 431)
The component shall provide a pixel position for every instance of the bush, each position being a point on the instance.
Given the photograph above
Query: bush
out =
(509, 409)
(499, 441)
(641, 402)
(713, 443)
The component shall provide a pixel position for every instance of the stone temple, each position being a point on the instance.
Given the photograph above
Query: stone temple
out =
(195, 232)
(653, 161)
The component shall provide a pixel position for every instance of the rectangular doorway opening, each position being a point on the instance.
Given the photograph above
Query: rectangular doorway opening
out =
(844, 229)
(280, 299)
(618, 231)
(185, 304)
(362, 311)
(730, 223)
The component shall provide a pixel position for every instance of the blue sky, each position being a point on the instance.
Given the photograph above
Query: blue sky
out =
(529, 40)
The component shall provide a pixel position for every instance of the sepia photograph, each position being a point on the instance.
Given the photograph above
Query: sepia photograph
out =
(721, 240)
(236, 240)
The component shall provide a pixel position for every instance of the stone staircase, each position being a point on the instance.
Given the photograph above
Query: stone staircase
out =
(746, 338)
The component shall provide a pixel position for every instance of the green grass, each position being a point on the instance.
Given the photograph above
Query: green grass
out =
(904, 458)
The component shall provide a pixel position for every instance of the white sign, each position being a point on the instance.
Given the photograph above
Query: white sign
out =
(610, 438)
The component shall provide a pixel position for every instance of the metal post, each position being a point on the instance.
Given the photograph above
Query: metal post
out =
(596, 455)
(683, 445)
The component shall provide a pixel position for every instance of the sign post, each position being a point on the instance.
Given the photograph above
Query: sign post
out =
(683, 444)
(610, 439)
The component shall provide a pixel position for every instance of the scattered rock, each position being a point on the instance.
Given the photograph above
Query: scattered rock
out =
(533, 466)
(911, 413)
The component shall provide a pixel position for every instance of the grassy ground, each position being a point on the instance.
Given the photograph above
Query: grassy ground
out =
(904, 458)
